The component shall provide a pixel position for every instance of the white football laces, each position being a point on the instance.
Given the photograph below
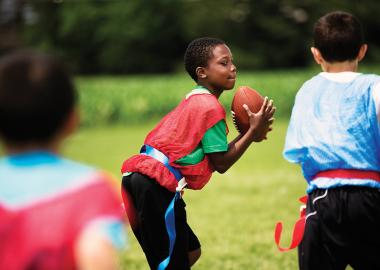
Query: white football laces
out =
(234, 121)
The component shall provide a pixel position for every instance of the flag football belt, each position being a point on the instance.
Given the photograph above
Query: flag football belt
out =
(169, 213)
(299, 226)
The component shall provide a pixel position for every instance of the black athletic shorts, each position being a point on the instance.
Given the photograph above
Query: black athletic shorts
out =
(151, 201)
(343, 228)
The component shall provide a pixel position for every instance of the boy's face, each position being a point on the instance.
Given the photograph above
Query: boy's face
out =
(220, 71)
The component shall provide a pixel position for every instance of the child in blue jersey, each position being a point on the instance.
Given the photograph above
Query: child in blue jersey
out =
(334, 135)
(54, 213)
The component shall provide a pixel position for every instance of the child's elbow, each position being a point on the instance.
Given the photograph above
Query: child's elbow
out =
(221, 169)
(219, 164)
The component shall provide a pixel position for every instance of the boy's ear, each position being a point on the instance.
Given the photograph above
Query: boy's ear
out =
(362, 52)
(317, 55)
(68, 127)
(71, 123)
(201, 72)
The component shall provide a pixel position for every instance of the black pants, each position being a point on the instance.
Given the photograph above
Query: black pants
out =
(343, 229)
(151, 201)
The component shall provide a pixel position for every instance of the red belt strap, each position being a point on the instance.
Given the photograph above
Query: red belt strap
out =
(298, 230)
(346, 173)
(299, 226)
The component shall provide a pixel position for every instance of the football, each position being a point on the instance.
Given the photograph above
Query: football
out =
(249, 96)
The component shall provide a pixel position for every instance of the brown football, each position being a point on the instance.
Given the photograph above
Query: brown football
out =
(249, 96)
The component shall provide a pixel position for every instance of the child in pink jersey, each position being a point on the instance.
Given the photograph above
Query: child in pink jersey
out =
(54, 213)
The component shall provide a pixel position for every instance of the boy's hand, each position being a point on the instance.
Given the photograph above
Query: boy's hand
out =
(259, 125)
(260, 122)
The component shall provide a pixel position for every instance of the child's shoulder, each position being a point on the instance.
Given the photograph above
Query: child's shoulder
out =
(205, 105)
(79, 172)
(322, 78)
(309, 84)
(47, 176)
(369, 77)
(203, 101)
(45, 168)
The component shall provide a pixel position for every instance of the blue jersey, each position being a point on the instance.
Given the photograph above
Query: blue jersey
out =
(334, 126)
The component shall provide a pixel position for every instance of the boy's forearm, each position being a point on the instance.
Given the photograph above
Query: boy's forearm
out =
(222, 161)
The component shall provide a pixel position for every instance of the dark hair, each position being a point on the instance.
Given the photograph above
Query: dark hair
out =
(198, 53)
(338, 36)
(36, 97)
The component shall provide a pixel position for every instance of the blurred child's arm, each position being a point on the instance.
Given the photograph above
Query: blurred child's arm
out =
(260, 125)
(97, 249)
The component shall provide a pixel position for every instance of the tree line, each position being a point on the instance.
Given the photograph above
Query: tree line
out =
(150, 36)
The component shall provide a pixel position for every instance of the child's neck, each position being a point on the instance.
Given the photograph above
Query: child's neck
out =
(215, 92)
(336, 67)
(12, 149)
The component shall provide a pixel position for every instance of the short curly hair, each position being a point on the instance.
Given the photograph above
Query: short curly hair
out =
(198, 53)
(36, 97)
(338, 36)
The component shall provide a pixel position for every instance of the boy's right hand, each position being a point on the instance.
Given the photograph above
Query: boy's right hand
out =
(260, 122)
(259, 125)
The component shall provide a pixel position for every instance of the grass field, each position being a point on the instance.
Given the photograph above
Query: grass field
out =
(234, 215)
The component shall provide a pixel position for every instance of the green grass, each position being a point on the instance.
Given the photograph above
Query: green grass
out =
(234, 215)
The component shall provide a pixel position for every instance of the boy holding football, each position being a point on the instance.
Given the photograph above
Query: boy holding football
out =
(334, 135)
(184, 149)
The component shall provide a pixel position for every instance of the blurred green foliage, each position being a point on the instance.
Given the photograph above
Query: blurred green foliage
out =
(139, 98)
(135, 99)
(109, 36)
(150, 36)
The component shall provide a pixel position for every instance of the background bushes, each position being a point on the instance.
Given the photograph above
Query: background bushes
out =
(139, 98)
(150, 36)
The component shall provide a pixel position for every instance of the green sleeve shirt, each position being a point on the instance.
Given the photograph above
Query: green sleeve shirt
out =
(214, 140)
